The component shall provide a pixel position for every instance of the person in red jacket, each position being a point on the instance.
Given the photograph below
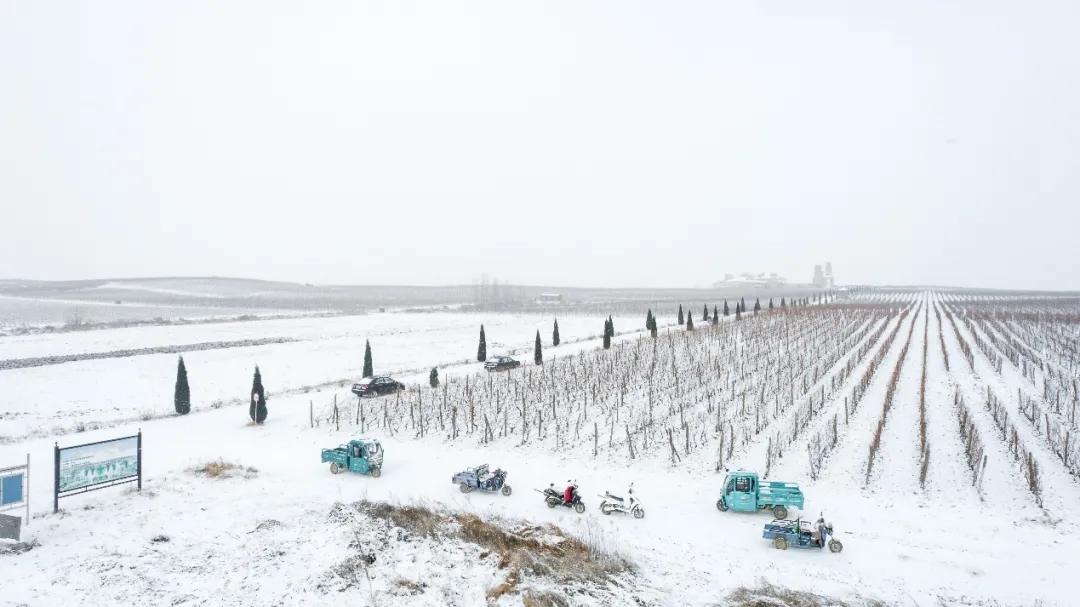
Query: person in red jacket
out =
(568, 495)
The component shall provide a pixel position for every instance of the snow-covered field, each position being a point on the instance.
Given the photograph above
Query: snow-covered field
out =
(761, 394)
(54, 399)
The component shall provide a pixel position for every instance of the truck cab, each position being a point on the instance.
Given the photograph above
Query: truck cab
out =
(740, 491)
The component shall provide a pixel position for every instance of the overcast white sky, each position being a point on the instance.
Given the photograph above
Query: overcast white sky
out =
(557, 143)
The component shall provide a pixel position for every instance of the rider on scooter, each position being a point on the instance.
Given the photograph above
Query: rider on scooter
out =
(568, 495)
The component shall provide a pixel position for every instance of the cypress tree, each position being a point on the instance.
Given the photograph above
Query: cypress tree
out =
(368, 369)
(257, 410)
(538, 352)
(738, 312)
(182, 395)
(611, 326)
(743, 303)
(554, 334)
(433, 378)
(715, 318)
(782, 304)
(648, 320)
(705, 313)
(689, 321)
(481, 351)
(725, 308)
(607, 336)
(757, 306)
(681, 320)
(770, 304)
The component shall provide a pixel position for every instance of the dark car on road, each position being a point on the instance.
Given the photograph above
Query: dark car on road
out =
(377, 386)
(501, 364)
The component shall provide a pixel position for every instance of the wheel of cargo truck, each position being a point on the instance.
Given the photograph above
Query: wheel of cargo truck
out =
(720, 505)
(835, 546)
(376, 472)
(464, 488)
(780, 512)
(780, 542)
(334, 468)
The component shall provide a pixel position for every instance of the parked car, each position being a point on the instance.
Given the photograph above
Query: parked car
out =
(377, 386)
(502, 363)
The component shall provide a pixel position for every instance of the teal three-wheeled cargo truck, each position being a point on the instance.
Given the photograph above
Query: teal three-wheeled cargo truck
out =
(363, 456)
(744, 492)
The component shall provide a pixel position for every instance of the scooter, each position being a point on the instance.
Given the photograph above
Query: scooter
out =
(614, 503)
(553, 497)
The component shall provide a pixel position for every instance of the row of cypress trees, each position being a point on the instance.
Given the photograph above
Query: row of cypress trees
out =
(258, 412)
(182, 394)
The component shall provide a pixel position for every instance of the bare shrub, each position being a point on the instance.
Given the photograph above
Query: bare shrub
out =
(222, 469)
(543, 598)
(768, 595)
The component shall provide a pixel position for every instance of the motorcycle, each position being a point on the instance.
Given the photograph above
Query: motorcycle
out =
(553, 497)
(614, 503)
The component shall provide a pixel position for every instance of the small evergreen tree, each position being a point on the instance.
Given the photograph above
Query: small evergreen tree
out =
(757, 306)
(689, 321)
(648, 320)
(433, 378)
(770, 304)
(650, 323)
(782, 304)
(257, 410)
(554, 334)
(538, 352)
(705, 313)
(725, 308)
(481, 351)
(369, 370)
(611, 326)
(738, 312)
(182, 395)
(682, 321)
(607, 336)
(715, 318)
(742, 302)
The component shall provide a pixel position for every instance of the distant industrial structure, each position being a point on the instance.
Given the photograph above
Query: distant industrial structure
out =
(748, 279)
(824, 280)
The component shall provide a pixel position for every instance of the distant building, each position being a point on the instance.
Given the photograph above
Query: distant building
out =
(751, 280)
(549, 298)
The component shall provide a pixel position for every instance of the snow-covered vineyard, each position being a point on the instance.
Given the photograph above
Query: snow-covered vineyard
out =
(937, 430)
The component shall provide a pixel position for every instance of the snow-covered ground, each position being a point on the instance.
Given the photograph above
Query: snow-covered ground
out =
(942, 545)
(53, 399)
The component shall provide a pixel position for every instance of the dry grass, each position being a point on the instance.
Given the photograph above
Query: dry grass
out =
(523, 551)
(767, 595)
(222, 469)
(543, 598)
